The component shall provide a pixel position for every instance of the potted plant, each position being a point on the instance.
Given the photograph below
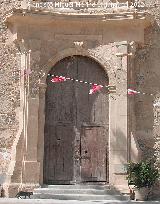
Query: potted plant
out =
(142, 176)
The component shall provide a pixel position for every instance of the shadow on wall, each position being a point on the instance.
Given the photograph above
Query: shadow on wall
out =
(121, 144)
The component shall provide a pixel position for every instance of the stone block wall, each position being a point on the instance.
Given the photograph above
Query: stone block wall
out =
(9, 92)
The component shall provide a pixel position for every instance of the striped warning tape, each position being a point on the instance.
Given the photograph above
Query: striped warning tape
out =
(111, 88)
(133, 92)
(84, 82)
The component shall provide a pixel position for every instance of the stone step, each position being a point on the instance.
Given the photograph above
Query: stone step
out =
(75, 191)
(77, 186)
(80, 197)
(78, 192)
(50, 201)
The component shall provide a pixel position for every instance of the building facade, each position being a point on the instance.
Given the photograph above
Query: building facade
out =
(57, 132)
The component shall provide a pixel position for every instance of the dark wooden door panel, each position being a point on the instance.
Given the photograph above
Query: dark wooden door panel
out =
(91, 108)
(72, 151)
(60, 154)
(93, 153)
(59, 123)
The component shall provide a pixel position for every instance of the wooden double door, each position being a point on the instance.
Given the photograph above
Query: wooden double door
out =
(76, 124)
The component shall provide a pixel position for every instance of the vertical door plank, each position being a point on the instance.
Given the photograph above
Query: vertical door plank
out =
(92, 111)
(59, 125)
(94, 144)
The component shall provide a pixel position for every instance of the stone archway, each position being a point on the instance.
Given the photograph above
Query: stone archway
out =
(118, 152)
(76, 124)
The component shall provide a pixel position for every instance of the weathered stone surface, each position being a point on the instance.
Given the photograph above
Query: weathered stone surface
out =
(48, 44)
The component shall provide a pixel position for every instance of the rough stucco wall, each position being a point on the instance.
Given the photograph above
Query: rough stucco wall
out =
(147, 74)
(9, 92)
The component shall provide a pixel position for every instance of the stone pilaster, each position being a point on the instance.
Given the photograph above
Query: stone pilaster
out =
(41, 122)
(30, 164)
(118, 150)
(17, 163)
(134, 151)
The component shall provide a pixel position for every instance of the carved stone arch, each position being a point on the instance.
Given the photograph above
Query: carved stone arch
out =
(97, 57)
(76, 125)
(73, 51)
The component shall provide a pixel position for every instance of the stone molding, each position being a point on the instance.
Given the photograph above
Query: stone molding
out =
(15, 15)
(73, 51)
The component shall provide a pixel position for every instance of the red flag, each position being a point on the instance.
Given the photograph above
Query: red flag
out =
(58, 79)
(132, 92)
(95, 88)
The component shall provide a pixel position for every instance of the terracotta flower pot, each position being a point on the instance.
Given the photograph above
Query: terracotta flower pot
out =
(141, 194)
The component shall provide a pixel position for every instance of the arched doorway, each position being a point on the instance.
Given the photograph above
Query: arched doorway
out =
(76, 124)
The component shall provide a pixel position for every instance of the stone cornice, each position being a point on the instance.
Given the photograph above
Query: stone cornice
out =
(18, 15)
